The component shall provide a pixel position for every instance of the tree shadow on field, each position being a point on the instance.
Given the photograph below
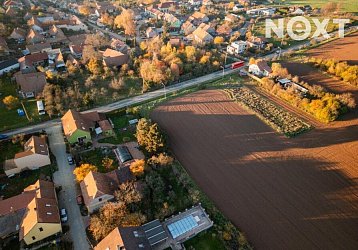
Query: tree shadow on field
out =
(278, 190)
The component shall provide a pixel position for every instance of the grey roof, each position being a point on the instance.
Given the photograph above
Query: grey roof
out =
(124, 154)
(154, 232)
(8, 63)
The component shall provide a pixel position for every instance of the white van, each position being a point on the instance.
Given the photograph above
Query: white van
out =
(41, 108)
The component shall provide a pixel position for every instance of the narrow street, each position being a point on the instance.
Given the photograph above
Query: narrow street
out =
(67, 197)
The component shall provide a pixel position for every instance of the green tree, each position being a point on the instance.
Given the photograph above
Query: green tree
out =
(149, 136)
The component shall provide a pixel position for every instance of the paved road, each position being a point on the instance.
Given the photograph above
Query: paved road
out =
(67, 197)
(127, 102)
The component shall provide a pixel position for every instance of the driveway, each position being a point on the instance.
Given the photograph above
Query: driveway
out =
(67, 197)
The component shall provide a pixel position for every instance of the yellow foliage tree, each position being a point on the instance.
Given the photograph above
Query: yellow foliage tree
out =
(218, 40)
(11, 102)
(137, 167)
(81, 171)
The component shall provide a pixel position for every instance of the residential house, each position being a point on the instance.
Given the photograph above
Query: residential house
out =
(237, 47)
(77, 39)
(159, 235)
(197, 18)
(151, 32)
(38, 48)
(42, 217)
(298, 11)
(55, 60)
(114, 58)
(261, 11)
(174, 23)
(29, 62)
(202, 37)
(260, 68)
(257, 42)
(119, 45)
(195, 3)
(99, 188)
(224, 30)
(208, 2)
(208, 28)
(238, 8)
(11, 11)
(27, 16)
(73, 24)
(165, 6)
(31, 84)
(124, 238)
(8, 66)
(175, 41)
(104, 7)
(34, 37)
(232, 18)
(35, 24)
(12, 211)
(35, 155)
(76, 50)
(153, 12)
(73, 61)
(187, 28)
(77, 126)
(18, 34)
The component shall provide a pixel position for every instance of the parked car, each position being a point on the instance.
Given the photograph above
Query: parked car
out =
(79, 199)
(63, 215)
(70, 160)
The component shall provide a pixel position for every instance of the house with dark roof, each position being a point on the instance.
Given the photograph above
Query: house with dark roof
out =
(114, 58)
(18, 34)
(31, 84)
(8, 66)
(124, 238)
(35, 155)
(29, 62)
(99, 188)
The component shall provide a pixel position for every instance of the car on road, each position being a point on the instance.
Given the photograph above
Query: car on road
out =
(70, 160)
(79, 199)
(3, 137)
(63, 215)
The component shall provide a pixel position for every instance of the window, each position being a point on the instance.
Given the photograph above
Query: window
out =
(100, 199)
(33, 238)
(41, 229)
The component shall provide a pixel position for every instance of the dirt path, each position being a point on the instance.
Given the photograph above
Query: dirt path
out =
(298, 193)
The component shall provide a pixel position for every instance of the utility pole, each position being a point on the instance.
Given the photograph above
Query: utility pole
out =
(165, 91)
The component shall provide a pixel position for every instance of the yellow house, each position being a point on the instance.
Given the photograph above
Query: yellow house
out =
(42, 218)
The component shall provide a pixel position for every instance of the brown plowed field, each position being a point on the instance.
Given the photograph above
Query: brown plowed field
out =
(284, 193)
(344, 49)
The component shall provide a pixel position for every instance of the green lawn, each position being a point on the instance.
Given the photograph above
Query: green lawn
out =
(17, 184)
(347, 5)
(96, 156)
(9, 118)
(205, 241)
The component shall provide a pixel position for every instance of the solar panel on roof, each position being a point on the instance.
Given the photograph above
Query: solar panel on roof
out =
(154, 232)
(182, 226)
